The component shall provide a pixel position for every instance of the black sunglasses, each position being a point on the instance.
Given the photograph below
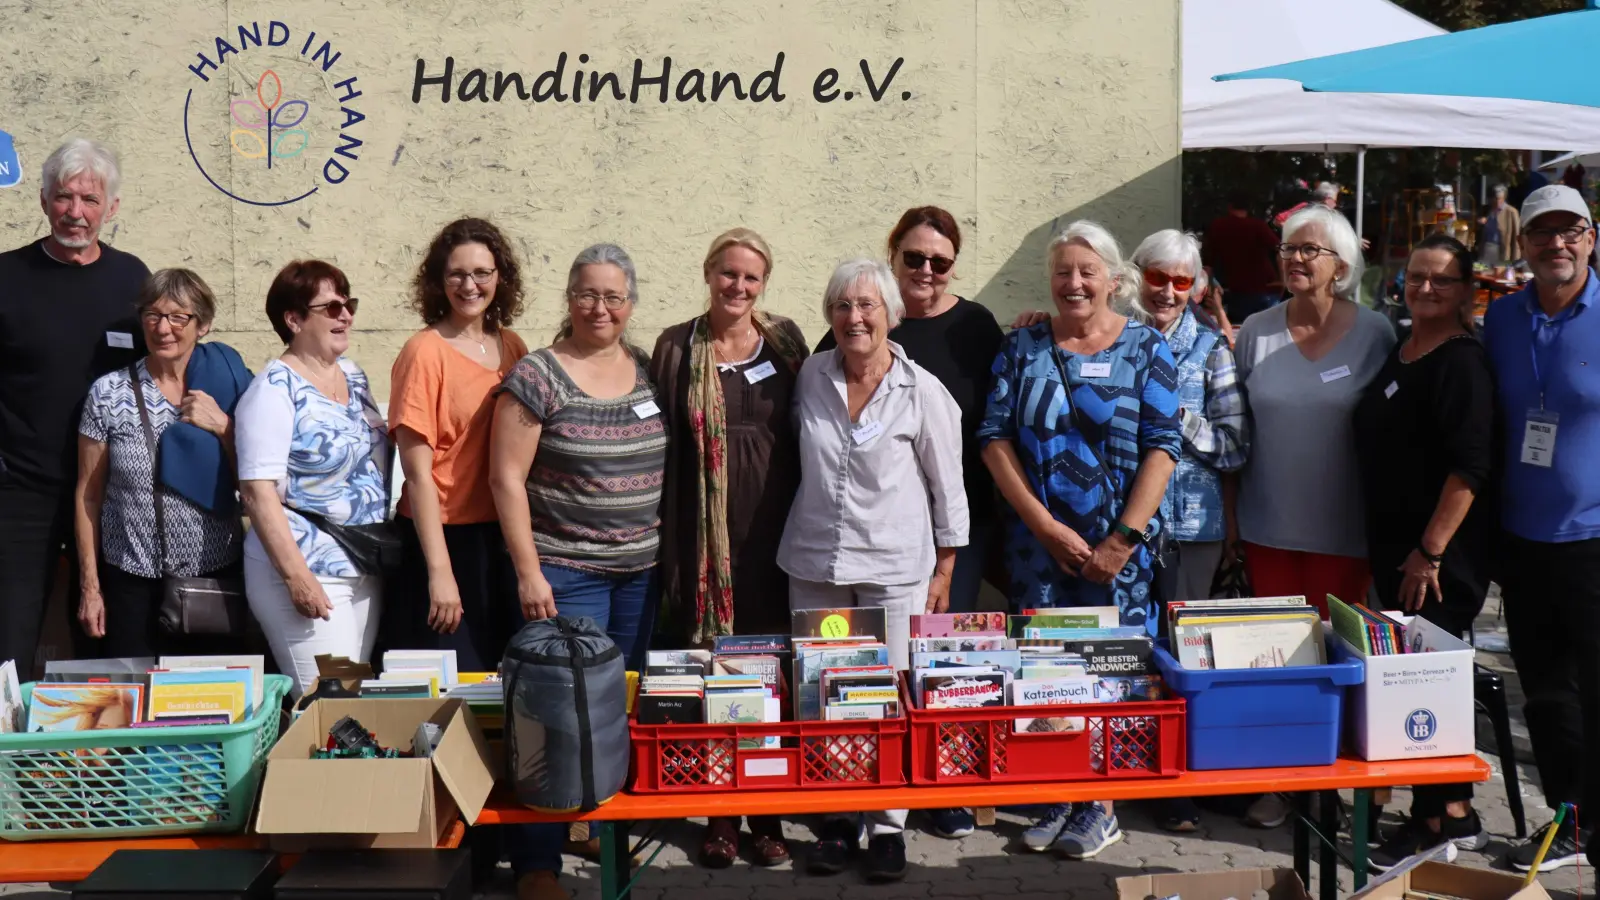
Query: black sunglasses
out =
(914, 261)
(334, 309)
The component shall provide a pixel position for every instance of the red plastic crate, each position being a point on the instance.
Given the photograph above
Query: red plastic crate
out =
(677, 758)
(1142, 739)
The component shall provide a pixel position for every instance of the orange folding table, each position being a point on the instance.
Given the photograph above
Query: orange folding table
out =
(615, 817)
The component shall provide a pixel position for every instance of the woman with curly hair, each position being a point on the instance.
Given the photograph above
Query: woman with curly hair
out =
(457, 590)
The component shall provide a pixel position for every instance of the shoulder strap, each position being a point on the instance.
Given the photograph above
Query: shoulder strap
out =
(155, 468)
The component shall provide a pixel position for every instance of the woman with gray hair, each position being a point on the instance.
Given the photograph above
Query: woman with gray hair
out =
(1082, 435)
(882, 506)
(134, 527)
(575, 463)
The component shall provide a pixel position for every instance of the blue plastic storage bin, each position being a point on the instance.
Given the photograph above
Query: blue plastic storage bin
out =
(1263, 718)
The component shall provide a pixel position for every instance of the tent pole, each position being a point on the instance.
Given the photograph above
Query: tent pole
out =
(1361, 203)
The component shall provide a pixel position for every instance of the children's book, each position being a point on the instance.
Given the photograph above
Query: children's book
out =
(68, 706)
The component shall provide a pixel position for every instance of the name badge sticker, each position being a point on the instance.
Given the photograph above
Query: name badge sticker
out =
(1389, 391)
(120, 339)
(760, 373)
(865, 432)
(1539, 438)
(646, 409)
(1095, 370)
(1335, 374)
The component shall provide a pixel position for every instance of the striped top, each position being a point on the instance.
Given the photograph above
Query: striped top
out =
(594, 490)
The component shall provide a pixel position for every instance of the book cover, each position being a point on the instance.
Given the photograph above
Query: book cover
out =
(444, 660)
(863, 712)
(867, 695)
(1267, 645)
(687, 669)
(969, 644)
(958, 624)
(1122, 688)
(1085, 633)
(739, 707)
(68, 706)
(745, 644)
(864, 621)
(182, 722)
(701, 658)
(397, 688)
(199, 691)
(120, 670)
(670, 709)
(256, 663)
(1052, 692)
(11, 708)
(1073, 617)
(963, 691)
(836, 680)
(1005, 659)
(765, 667)
(1126, 656)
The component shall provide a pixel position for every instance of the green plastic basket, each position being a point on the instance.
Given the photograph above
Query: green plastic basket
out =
(131, 782)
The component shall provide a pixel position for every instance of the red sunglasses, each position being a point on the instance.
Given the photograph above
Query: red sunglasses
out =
(1159, 279)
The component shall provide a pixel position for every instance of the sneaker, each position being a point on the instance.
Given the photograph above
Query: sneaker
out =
(1178, 814)
(1564, 850)
(1465, 832)
(886, 858)
(1408, 840)
(839, 840)
(1042, 836)
(952, 823)
(1269, 811)
(1089, 830)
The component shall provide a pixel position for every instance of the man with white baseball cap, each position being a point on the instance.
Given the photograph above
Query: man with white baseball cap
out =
(1541, 341)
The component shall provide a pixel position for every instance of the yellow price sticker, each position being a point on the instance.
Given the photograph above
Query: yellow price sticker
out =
(835, 626)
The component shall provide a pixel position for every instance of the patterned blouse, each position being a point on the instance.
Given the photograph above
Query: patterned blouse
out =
(326, 458)
(1126, 398)
(594, 490)
(198, 542)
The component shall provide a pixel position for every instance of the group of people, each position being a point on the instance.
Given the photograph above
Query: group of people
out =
(1116, 450)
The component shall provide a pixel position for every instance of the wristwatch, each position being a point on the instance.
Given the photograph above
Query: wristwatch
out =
(1130, 535)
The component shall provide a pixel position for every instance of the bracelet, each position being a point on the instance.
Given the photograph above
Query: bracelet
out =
(1431, 558)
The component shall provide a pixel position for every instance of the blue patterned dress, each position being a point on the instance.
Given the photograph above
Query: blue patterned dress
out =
(1124, 415)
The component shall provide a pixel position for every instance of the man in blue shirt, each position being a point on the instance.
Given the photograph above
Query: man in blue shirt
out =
(1541, 341)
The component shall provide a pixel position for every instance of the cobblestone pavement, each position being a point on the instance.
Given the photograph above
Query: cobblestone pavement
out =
(989, 862)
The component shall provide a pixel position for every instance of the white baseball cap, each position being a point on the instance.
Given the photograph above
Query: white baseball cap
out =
(1554, 198)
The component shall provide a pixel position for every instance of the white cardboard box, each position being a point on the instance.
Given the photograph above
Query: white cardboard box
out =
(1415, 705)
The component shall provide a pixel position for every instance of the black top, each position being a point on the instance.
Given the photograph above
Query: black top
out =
(1417, 424)
(958, 346)
(60, 326)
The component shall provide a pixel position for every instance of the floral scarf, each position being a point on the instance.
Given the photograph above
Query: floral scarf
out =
(708, 418)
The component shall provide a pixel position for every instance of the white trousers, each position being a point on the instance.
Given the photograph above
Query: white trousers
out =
(350, 630)
(900, 602)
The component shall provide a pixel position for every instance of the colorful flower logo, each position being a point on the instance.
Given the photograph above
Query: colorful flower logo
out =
(268, 128)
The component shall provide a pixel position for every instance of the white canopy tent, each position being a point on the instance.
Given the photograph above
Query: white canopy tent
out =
(1221, 36)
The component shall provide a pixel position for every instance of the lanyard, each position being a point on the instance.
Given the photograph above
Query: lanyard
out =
(1558, 324)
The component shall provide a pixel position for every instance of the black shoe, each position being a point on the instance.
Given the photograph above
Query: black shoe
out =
(1178, 814)
(839, 840)
(886, 858)
(1564, 850)
(1408, 840)
(1466, 831)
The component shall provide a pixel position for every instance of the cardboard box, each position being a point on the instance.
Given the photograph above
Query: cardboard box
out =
(1239, 884)
(1414, 705)
(1452, 881)
(358, 803)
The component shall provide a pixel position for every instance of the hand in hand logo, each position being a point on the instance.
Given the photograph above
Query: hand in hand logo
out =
(269, 116)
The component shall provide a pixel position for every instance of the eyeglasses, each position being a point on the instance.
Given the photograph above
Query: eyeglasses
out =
(334, 309)
(1569, 235)
(588, 299)
(479, 277)
(915, 260)
(1159, 279)
(843, 307)
(1304, 251)
(178, 321)
(1440, 282)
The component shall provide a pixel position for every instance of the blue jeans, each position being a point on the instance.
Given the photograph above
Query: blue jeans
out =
(624, 607)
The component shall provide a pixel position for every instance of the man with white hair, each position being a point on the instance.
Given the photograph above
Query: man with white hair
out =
(1540, 342)
(66, 318)
(1497, 239)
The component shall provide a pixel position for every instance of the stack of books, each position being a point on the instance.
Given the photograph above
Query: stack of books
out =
(847, 646)
(84, 695)
(414, 673)
(765, 656)
(673, 689)
(742, 700)
(1256, 633)
(1374, 634)
(12, 714)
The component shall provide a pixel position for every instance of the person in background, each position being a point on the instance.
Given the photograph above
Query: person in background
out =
(312, 448)
(1303, 365)
(124, 548)
(1497, 239)
(1540, 342)
(882, 506)
(1240, 250)
(1081, 433)
(66, 318)
(576, 462)
(1425, 442)
(455, 588)
(955, 339)
(1208, 306)
(726, 382)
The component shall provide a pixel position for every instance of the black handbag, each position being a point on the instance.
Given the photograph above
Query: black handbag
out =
(374, 549)
(189, 605)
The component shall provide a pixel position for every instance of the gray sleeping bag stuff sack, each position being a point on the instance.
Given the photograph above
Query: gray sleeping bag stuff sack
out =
(566, 734)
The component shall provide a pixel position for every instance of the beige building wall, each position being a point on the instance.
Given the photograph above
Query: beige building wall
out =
(1018, 115)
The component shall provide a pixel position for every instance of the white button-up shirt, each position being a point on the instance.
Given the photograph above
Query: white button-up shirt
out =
(878, 494)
